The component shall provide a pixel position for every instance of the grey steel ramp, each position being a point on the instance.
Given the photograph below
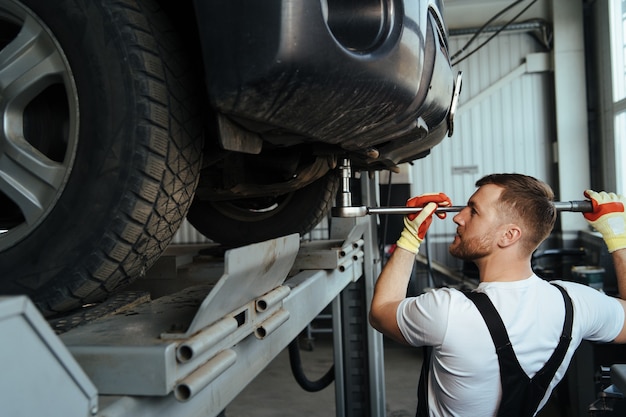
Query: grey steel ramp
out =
(149, 349)
(249, 272)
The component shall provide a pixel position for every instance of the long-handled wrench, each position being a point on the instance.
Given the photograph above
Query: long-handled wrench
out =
(583, 206)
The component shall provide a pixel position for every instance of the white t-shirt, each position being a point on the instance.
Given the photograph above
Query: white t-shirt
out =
(464, 373)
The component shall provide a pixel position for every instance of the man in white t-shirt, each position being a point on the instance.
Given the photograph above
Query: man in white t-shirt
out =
(503, 223)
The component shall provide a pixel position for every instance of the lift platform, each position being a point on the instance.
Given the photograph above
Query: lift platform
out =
(190, 353)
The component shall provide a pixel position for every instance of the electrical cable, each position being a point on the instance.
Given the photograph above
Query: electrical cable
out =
(483, 27)
(496, 33)
(295, 361)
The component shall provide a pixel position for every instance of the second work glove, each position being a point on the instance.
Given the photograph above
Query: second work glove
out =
(416, 225)
(608, 218)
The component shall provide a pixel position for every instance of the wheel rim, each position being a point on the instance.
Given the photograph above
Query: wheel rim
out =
(38, 123)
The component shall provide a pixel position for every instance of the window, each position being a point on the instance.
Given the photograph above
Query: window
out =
(618, 47)
(617, 12)
(620, 150)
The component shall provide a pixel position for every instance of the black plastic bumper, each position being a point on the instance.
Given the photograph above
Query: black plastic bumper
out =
(358, 74)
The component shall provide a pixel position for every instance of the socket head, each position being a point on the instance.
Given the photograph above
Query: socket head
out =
(359, 211)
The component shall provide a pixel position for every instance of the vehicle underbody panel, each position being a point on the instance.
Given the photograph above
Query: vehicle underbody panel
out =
(372, 78)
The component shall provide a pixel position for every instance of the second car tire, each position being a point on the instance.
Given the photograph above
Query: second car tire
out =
(132, 155)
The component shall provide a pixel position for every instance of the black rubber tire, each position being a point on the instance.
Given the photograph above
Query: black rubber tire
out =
(136, 160)
(233, 224)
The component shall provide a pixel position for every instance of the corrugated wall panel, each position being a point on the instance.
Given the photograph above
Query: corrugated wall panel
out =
(509, 130)
(187, 234)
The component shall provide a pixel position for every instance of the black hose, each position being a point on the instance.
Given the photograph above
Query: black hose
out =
(296, 368)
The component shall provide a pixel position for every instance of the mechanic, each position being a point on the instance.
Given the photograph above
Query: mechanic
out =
(504, 221)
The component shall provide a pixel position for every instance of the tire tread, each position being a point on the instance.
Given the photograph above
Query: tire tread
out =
(165, 169)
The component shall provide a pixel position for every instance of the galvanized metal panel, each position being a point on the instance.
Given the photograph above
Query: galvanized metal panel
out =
(509, 130)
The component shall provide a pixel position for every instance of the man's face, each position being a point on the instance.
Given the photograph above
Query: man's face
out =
(477, 225)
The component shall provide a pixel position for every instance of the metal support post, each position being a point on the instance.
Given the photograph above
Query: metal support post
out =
(359, 356)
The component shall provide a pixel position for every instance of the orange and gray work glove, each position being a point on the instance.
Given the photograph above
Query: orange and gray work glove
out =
(415, 225)
(608, 218)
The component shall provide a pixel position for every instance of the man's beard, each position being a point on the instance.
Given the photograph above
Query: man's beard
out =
(471, 249)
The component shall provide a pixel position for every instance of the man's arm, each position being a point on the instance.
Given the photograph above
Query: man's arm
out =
(389, 291)
(609, 218)
(392, 283)
(619, 260)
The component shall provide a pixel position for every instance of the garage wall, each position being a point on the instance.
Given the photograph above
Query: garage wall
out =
(504, 124)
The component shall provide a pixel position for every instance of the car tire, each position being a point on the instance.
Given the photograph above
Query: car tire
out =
(239, 222)
(101, 160)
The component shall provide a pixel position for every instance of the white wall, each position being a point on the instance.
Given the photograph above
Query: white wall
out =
(504, 124)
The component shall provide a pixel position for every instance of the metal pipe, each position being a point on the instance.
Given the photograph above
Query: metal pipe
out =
(271, 298)
(271, 324)
(203, 376)
(410, 210)
(206, 339)
(583, 206)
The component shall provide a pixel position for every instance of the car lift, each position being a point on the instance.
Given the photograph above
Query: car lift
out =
(192, 352)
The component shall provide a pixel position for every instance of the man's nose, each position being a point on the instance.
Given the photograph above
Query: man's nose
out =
(459, 217)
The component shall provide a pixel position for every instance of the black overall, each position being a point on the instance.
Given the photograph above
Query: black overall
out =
(521, 395)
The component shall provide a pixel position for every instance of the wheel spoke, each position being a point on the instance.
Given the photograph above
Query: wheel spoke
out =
(29, 179)
(28, 65)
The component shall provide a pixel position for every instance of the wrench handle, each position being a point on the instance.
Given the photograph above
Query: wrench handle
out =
(582, 206)
(410, 210)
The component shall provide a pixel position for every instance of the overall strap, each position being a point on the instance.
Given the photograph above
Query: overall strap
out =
(543, 378)
(422, 386)
(513, 379)
(521, 395)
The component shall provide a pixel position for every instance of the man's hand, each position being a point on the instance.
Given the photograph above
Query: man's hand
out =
(416, 225)
(608, 218)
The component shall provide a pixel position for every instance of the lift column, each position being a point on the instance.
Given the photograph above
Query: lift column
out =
(359, 356)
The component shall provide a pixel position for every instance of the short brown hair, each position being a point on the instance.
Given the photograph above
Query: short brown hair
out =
(529, 200)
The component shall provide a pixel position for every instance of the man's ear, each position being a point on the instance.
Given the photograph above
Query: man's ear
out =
(511, 234)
